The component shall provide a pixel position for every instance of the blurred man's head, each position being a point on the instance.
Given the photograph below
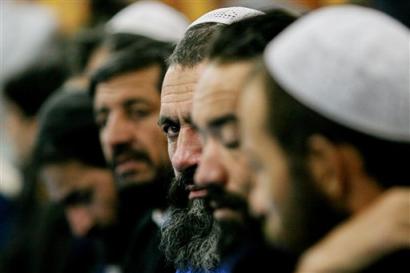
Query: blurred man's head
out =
(325, 123)
(126, 98)
(24, 93)
(68, 158)
(222, 177)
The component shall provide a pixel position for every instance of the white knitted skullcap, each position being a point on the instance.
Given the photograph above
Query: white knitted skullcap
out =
(226, 16)
(152, 19)
(350, 64)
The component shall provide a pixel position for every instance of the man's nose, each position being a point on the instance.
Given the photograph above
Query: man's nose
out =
(117, 131)
(211, 169)
(80, 220)
(188, 150)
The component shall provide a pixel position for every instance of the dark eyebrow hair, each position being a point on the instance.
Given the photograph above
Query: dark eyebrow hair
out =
(132, 101)
(100, 110)
(218, 122)
(188, 119)
(164, 119)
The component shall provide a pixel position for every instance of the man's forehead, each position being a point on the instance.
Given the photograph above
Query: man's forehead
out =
(211, 107)
(180, 83)
(147, 75)
(253, 106)
(143, 82)
(218, 91)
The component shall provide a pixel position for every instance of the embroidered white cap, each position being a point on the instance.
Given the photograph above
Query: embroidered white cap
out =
(350, 64)
(226, 16)
(152, 19)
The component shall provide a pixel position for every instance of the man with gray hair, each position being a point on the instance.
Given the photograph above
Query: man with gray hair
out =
(196, 236)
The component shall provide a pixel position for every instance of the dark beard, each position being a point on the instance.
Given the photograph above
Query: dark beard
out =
(190, 235)
(309, 215)
(191, 238)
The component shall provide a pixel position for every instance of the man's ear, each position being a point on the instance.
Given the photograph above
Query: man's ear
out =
(338, 170)
(326, 167)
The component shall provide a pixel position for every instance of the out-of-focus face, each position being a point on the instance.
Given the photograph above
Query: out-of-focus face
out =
(284, 191)
(21, 132)
(222, 175)
(270, 188)
(127, 108)
(87, 192)
(184, 147)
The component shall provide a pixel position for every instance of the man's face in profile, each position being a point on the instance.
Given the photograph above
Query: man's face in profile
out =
(283, 191)
(126, 109)
(222, 174)
(190, 236)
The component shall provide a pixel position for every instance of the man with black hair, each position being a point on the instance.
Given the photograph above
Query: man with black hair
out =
(68, 158)
(198, 237)
(126, 99)
(67, 165)
(326, 128)
(222, 175)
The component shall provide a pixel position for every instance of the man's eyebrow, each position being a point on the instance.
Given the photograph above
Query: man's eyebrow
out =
(219, 121)
(166, 120)
(100, 110)
(187, 119)
(130, 102)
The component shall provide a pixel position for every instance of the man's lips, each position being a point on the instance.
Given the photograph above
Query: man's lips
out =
(129, 166)
(196, 191)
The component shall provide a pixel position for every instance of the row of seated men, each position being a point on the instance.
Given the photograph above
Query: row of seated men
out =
(246, 141)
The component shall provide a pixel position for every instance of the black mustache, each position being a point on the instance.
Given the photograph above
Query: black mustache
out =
(217, 197)
(178, 194)
(125, 151)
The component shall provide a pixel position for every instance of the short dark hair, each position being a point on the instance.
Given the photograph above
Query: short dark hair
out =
(292, 123)
(82, 46)
(29, 88)
(134, 57)
(247, 38)
(194, 46)
(67, 131)
(119, 41)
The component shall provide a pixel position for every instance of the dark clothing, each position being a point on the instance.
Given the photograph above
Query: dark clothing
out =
(55, 250)
(145, 255)
(6, 215)
(397, 262)
(134, 204)
(46, 244)
(264, 259)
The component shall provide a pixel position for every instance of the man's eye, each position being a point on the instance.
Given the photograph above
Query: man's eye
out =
(229, 136)
(233, 144)
(171, 130)
(101, 121)
(139, 113)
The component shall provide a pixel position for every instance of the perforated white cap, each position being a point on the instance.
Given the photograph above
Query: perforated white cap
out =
(152, 19)
(350, 64)
(226, 16)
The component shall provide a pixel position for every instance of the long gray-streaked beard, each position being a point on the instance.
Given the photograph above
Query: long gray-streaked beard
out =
(190, 237)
